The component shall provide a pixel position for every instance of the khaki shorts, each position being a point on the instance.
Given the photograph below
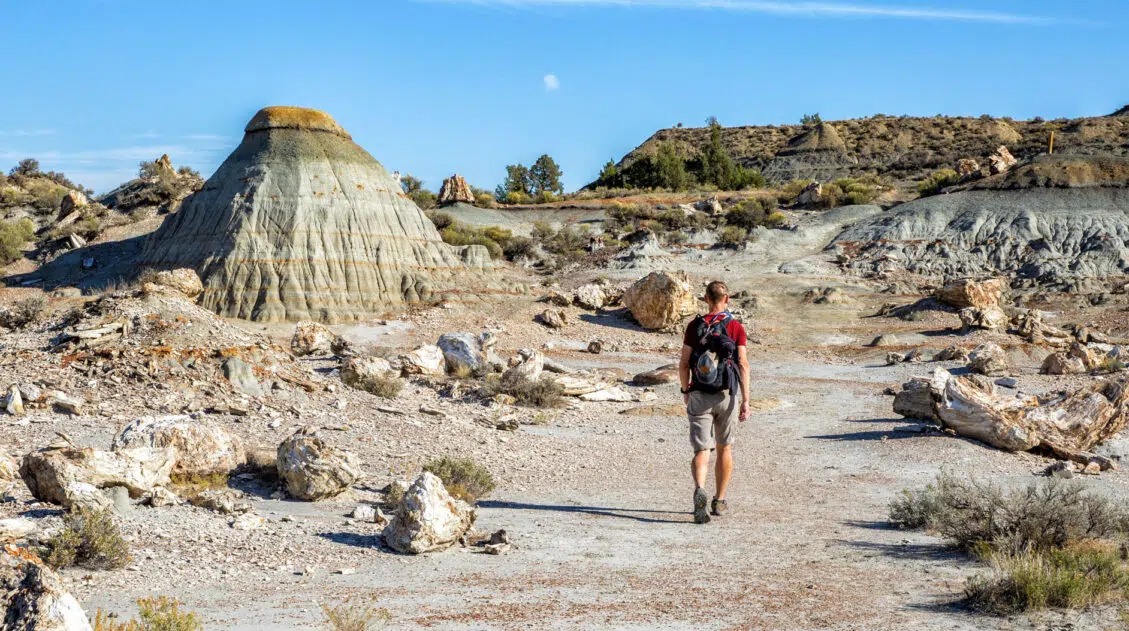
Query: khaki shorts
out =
(713, 419)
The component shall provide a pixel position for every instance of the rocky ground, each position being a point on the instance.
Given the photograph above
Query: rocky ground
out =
(595, 496)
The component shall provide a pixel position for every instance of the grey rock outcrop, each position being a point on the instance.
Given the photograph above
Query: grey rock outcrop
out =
(34, 598)
(300, 223)
(202, 448)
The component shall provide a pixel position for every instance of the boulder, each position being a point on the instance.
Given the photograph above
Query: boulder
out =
(222, 501)
(16, 529)
(951, 353)
(811, 194)
(553, 318)
(202, 448)
(967, 292)
(71, 475)
(9, 472)
(661, 299)
(558, 299)
(71, 202)
(428, 519)
(577, 385)
(67, 403)
(914, 400)
(454, 190)
(527, 364)
(34, 598)
(591, 296)
(988, 359)
(425, 360)
(614, 394)
(240, 374)
(14, 401)
(967, 167)
(1062, 364)
(711, 206)
(989, 318)
(313, 338)
(1084, 354)
(595, 347)
(361, 372)
(889, 339)
(464, 352)
(312, 469)
(657, 377)
(184, 281)
(1001, 161)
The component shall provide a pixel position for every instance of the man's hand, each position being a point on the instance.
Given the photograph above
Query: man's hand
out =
(744, 411)
(686, 398)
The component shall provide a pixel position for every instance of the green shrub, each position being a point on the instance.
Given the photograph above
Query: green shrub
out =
(440, 219)
(775, 219)
(13, 236)
(1078, 576)
(545, 197)
(750, 213)
(732, 236)
(978, 516)
(790, 191)
(493, 238)
(484, 200)
(464, 478)
(90, 539)
(518, 197)
(424, 198)
(519, 247)
(936, 181)
(361, 615)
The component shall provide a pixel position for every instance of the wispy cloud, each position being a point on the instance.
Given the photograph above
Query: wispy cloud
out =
(23, 133)
(552, 82)
(797, 9)
(207, 137)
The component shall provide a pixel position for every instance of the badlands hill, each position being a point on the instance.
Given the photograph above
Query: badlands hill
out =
(903, 148)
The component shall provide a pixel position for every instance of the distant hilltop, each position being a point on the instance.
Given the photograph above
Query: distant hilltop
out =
(902, 149)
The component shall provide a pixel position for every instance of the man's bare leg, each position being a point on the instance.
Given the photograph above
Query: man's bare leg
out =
(700, 467)
(723, 469)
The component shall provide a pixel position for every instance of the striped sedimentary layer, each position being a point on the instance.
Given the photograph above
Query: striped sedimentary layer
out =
(301, 223)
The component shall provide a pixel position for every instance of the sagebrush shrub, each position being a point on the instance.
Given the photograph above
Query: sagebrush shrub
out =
(90, 539)
(464, 478)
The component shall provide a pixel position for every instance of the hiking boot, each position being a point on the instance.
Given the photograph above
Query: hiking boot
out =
(719, 507)
(700, 514)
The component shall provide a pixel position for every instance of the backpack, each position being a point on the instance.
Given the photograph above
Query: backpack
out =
(712, 362)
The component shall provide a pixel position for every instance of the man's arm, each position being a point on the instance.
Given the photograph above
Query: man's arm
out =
(743, 365)
(684, 371)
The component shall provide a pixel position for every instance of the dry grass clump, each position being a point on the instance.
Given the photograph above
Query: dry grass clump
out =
(386, 386)
(937, 181)
(1082, 574)
(90, 539)
(464, 478)
(535, 393)
(24, 312)
(1048, 545)
(159, 613)
(361, 615)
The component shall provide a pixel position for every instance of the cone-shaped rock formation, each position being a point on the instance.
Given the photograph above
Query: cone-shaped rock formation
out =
(300, 223)
(454, 190)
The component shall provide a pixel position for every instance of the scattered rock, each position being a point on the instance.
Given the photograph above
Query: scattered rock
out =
(553, 318)
(989, 318)
(68, 475)
(966, 292)
(595, 347)
(313, 469)
(811, 194)
(463, 352)
(313, 338)
(1001, 161)
(239, 373)
(967, 167)
(661, 299)
(952, 353)
(528, 363)
(1062, 364)
(886, 340)
(429, 519)
(184, 281)
(425, 360)
(14, 401)
(915, 400)
(69, 404)
(71, 202)
(16, 529)
(34, 598)
(558, 299)
(222, 501)
(591, 296)
(202, 448)
(364, 512)
(1061, 469)
(363, 373)
(248, 521)
(657, 377)
(1007, 382)
(616, 395)
(989, 360)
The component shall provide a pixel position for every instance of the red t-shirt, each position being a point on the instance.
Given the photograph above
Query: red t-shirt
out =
(734, 329)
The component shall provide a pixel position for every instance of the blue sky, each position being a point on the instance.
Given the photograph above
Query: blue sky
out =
(432, 87)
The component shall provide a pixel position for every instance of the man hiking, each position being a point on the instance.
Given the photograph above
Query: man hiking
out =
(713, 370)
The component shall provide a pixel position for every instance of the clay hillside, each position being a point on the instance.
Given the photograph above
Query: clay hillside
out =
(904, 149)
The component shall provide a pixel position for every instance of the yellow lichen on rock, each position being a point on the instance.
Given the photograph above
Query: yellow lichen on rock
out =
(289, 117)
